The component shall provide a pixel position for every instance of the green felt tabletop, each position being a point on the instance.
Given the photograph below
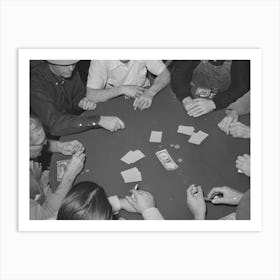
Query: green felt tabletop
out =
(210, 164)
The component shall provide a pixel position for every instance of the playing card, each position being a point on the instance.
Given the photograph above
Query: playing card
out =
(132, 156)
(127, 157)
(61, 166)
(155, 137)
(187, 130)
(137, 155)
(198, 137)
(131, 175)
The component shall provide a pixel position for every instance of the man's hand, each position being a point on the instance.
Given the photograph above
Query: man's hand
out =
(231, 117)
(243, 164)
(144, 101)
(87, 104)
(75, 165)
(125, 205)
(141, 200)
(200, 106)
(239, 130)
(71, 147)
(224, 195)
(195, 202)
(132, 91)
(111, 123)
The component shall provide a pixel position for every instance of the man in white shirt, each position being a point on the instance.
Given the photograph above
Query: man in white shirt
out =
(111, 78)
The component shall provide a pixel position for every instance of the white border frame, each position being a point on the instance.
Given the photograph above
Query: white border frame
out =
(25, 55)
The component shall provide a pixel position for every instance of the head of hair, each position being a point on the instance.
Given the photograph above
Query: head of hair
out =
(34, 127)
(85, 201)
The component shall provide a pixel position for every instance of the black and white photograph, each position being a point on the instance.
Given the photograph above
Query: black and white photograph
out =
(139, 139)
(133, 139)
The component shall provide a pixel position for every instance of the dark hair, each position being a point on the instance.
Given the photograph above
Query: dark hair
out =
(85, 201)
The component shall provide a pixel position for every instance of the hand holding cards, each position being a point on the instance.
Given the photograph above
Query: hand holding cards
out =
(72, 167)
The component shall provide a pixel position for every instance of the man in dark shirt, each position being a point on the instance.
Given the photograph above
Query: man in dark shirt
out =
(206, 85)
(57, 98)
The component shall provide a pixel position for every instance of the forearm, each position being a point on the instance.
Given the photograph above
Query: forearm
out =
(54, 146)
(102, 95)
(115, 203)
(66, 126)
(54, 200)
(160, 82)
(241, 105)
(152, 214)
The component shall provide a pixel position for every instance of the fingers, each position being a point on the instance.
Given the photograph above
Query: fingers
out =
(135, 103)
(190, 190)
(142, 103)
(218, 200)
(214, 191)
(224, 124)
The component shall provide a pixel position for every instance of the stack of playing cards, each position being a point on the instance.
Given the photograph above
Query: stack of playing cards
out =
(61, 166)
(198, 137)
(187, 130)
(131, 175)
(155, 137)
(132, 156)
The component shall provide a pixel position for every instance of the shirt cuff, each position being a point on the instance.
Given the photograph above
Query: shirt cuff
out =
(152, 214)
(115, 203)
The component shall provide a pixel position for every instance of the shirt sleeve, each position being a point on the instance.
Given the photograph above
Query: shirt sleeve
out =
(152, 214)
(181, 77)
(240, 84)
(115, 203)
(242, 104)
(58, 123)
(79, 92)
(38, 212)
(156, 67)
(97, 74)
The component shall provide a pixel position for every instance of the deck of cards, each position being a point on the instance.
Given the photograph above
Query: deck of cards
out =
(155, 137)
(187, 130)
(198, 137)
(132, 156)
(131, 175)
(60, 169)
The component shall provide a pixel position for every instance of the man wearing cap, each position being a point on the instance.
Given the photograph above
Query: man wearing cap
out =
(111, 78)
(57, 98)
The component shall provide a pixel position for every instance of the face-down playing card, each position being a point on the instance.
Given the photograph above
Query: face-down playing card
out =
(155, 137)
(198, 137)
(131, 175)
(132, 156)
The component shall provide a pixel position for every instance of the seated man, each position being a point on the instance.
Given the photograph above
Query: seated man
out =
(43, 202)
(206, 85)
(57, 98)
(111, 78)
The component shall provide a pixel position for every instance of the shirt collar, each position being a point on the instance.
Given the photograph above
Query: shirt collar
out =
(116, 63)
